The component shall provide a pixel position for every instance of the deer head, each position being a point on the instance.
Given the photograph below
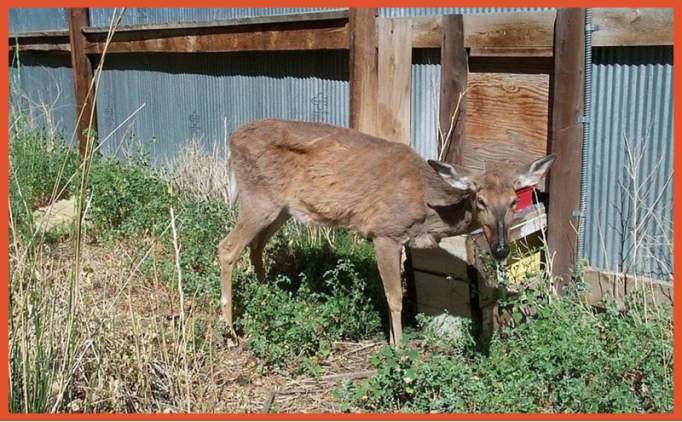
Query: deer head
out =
(492, 196)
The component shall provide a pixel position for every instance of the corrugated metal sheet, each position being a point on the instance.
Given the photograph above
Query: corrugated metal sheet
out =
(37, 19)
(631, 97)
(397, 12)
(139, 16)
(42, 87)
(188, 96)
(424, 102)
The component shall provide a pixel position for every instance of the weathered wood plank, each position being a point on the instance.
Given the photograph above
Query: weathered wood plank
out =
(519, 34)
(531, 33)
(500, 31)
(453, 77)
(261, 40)
(363, 69)
(506, 120)
(47, 33)
(40, 47)
(567, 132)
(628, 27)
(604, 284)
(82, 76)
(394, 79)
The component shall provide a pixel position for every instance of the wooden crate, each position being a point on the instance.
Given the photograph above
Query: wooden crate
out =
(449, 280)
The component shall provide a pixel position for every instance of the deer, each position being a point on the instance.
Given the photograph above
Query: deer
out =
(324, 174)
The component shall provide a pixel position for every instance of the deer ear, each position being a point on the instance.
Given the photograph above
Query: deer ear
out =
(530, 175)
(458, 179)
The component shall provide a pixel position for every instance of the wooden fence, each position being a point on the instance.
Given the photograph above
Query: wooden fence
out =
(524, 72)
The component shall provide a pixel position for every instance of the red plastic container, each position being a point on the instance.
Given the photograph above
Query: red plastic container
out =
(525, 196)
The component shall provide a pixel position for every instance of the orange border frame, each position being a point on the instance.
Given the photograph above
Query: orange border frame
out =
(4, 251)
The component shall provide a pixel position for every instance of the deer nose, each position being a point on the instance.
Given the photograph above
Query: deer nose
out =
(500, 251)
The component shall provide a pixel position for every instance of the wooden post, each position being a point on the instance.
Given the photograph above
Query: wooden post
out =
(82, 75)
(567, 139)
(363, 69)
(395, 79)
(453, 81)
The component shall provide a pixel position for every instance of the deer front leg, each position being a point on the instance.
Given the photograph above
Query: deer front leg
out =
(388, 259)
(248, 226)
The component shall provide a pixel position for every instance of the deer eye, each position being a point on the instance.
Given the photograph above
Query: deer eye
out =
(481, 203)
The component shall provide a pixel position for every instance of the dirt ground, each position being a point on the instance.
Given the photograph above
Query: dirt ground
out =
(135, 359)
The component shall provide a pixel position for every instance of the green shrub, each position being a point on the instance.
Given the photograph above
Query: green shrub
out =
(128, 198)
(566, 358)
(37, 166)
(293, 329)
(200, 226)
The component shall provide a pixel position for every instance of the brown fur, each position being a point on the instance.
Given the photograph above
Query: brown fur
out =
(318, 173)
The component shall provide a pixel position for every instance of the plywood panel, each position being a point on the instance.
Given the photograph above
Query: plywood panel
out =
(506, 119)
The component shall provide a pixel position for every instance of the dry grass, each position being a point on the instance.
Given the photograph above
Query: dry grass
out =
(131, 353)
(200, 172)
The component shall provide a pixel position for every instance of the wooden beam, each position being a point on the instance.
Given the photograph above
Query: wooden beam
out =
(82, 76)
(602, 284)
(566, 139)
(227, 40)
(453, 76)
(394, 77)
(515, 34)
(628, 27)
(531, 33)
(363, 69)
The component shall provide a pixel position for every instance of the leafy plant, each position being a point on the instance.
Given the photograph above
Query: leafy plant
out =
(293, 329)
(38, 166)
(567, 357)
(127, 197)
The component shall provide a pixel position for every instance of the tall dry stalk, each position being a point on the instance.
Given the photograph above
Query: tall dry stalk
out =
(444, 140)
(183, 322)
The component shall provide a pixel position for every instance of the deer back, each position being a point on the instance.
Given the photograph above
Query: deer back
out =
(327, 174)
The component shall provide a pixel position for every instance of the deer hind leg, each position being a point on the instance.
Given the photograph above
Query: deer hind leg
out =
(388, 260)
(258, 244)
(249, 225)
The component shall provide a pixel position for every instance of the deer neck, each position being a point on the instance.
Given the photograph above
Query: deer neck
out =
(452, 220)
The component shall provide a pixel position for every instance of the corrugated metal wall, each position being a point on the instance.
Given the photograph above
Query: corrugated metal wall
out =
(42, 86)
(138, 16)
(188, 96)
(631, 98)
(37, 19)
(424, 102)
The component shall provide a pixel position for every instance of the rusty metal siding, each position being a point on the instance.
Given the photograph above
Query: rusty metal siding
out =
(189, 95)
(631, 98)
(41, 87)
(140, 16)
(37, 19)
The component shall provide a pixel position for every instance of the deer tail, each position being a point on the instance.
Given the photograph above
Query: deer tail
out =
(233, 192)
